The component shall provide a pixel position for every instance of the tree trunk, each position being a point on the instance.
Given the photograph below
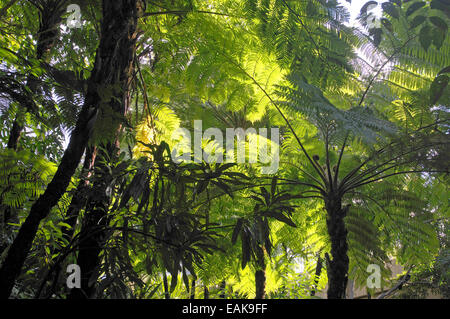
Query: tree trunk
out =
(21, 246)
(119, 17)
(337, 268)
(76, 204)
(94, 228)
(92, 236)
(79, 197)
(260, 275)
(317, 275)
(92, 239)
(14, 135)
(193, 288)
(166, 286)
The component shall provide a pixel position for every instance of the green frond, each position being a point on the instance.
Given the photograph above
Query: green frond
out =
(24, 176)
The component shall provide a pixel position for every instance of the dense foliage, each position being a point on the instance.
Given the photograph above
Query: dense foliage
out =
(89, 133)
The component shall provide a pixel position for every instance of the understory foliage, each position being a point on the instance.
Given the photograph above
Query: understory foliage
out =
(362, 107)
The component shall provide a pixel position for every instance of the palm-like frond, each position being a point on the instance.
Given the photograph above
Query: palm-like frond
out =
(309, 100)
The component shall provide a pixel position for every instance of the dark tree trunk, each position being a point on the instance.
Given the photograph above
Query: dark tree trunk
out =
(337, 267)
(14, 135)
(260, 274)
(92, 235)
(317, 275)
(193, 288)
(94, 227)
(91, 243)
(79, 197)
(119, 17)
(260, 281)
(166, 286)
(21, 246)
(76, 204)
(205, 293)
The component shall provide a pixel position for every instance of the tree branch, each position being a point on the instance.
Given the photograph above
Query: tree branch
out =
(399, 285)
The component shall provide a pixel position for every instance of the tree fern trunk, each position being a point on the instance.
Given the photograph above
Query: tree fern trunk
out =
(109, 69)
(260, 281)
(14, 135)
(166, 286)
(338, 266)
(317, 275)
(260, 275)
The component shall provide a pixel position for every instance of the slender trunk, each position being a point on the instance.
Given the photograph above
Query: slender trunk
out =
(260, 280)
(108, 70)
(260, 274)
(337, 267)
(166, 286)
(79, 197)
(317, 275)
(14, 135)
(205, 293)
(21, 246)
(94, 228)
(76, 204)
